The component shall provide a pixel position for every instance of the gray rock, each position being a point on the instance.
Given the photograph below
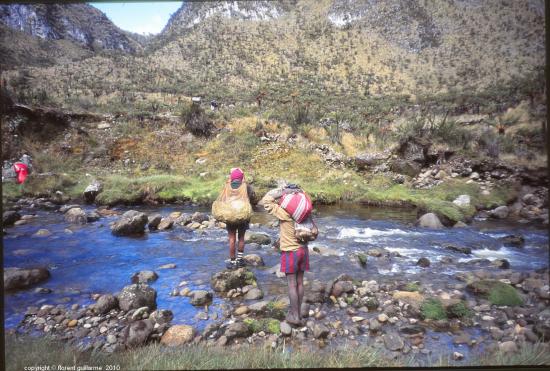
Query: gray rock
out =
(320, 331)
(131, 223)
(199, 217)
(500, 212)
(423, 262)
(375, 252)
(161, 316)
(461, 249)
(153, 221)
(342, 287)
(374, 325)
(462, 201)
(227, 279)
(92, 217)
(10, 217)
(105, 303)
(513, 240)
(254, 294)
(136, 296)
(304, 310)
(138, 332)
(63, 209)
(501, 263)
(429, 220)
(165, 224)
(286, 330)
(236, 330)
(393, 341)
(42, 233)
(168, 266)
(316, 293)
(257, 237)
(508, 347)
(460, 224)
(144, 277)
(92, 190)
(76, 216)
(200, 297)
(19, 278)
(254, 260)
(258, 307)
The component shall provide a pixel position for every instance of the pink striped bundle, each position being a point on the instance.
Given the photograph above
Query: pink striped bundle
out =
(298, 205)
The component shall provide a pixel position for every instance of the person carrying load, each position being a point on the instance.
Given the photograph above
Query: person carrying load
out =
(293, 208)
(234, 207)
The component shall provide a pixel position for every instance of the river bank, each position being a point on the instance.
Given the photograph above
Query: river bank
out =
(384, 304)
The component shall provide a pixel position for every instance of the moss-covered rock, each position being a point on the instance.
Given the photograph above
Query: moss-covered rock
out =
(459, 310)
(497, 292)
(268, 325)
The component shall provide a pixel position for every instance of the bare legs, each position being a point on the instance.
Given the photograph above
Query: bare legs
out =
(241, 241)
(232, 237)
(295, 294)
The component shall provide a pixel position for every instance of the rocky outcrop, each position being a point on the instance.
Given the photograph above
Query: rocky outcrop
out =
(20, 278)
(131, 223)
(227, 279)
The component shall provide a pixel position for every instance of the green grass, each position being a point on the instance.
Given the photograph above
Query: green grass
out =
(504, 294)
(166, 188)
(276, 309)
(459, 310)
(21, 352)
(24, 351)
(268, 325)
(433, 309)
(412, 286)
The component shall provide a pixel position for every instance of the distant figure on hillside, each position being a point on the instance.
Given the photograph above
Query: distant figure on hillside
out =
(234, 207)
(22, 168)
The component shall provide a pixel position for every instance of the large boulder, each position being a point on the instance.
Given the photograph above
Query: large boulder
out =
(316, 293)
(393, 341)
(10, 217)
(76, 215)
(138, 332)
(131, 223)
(105, 303)
(226, 280)
(365, 161)
(254, 260)
(20, 278)
(144, 277)
(91, 191)
(256, 237)
(429, 220)
(178, 335)
(136, 296)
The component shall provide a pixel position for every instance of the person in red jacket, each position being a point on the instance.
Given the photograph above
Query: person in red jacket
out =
(22, 171)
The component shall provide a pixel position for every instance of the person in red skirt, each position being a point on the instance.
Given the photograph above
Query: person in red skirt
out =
(294, 255)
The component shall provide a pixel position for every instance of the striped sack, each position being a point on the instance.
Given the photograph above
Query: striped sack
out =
(298, 205)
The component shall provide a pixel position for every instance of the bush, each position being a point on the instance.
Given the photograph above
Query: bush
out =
(433, 309)
(196, 121)
(504, 294)
(459, 310)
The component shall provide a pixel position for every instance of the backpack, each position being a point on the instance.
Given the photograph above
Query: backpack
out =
(297, 204)
(306, 230)
(232, 205)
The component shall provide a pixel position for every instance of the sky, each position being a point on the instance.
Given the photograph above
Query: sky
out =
(139, 17)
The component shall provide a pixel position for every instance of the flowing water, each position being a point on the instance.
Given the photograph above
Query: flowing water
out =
(89, 259)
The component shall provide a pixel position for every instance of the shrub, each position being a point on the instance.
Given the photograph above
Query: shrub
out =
(459, 310)
(433, 309)
(504, 294)
(196, 121)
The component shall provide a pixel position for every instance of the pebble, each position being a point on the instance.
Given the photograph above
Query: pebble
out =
(458, 356)
(87, 325)
(382, 317)
(111, 339)
(103, 330)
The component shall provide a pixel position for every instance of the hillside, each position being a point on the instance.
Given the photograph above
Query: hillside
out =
(324, 52)
(42, 34)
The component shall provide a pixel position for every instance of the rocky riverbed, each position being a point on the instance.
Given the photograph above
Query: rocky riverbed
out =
(111, 279)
